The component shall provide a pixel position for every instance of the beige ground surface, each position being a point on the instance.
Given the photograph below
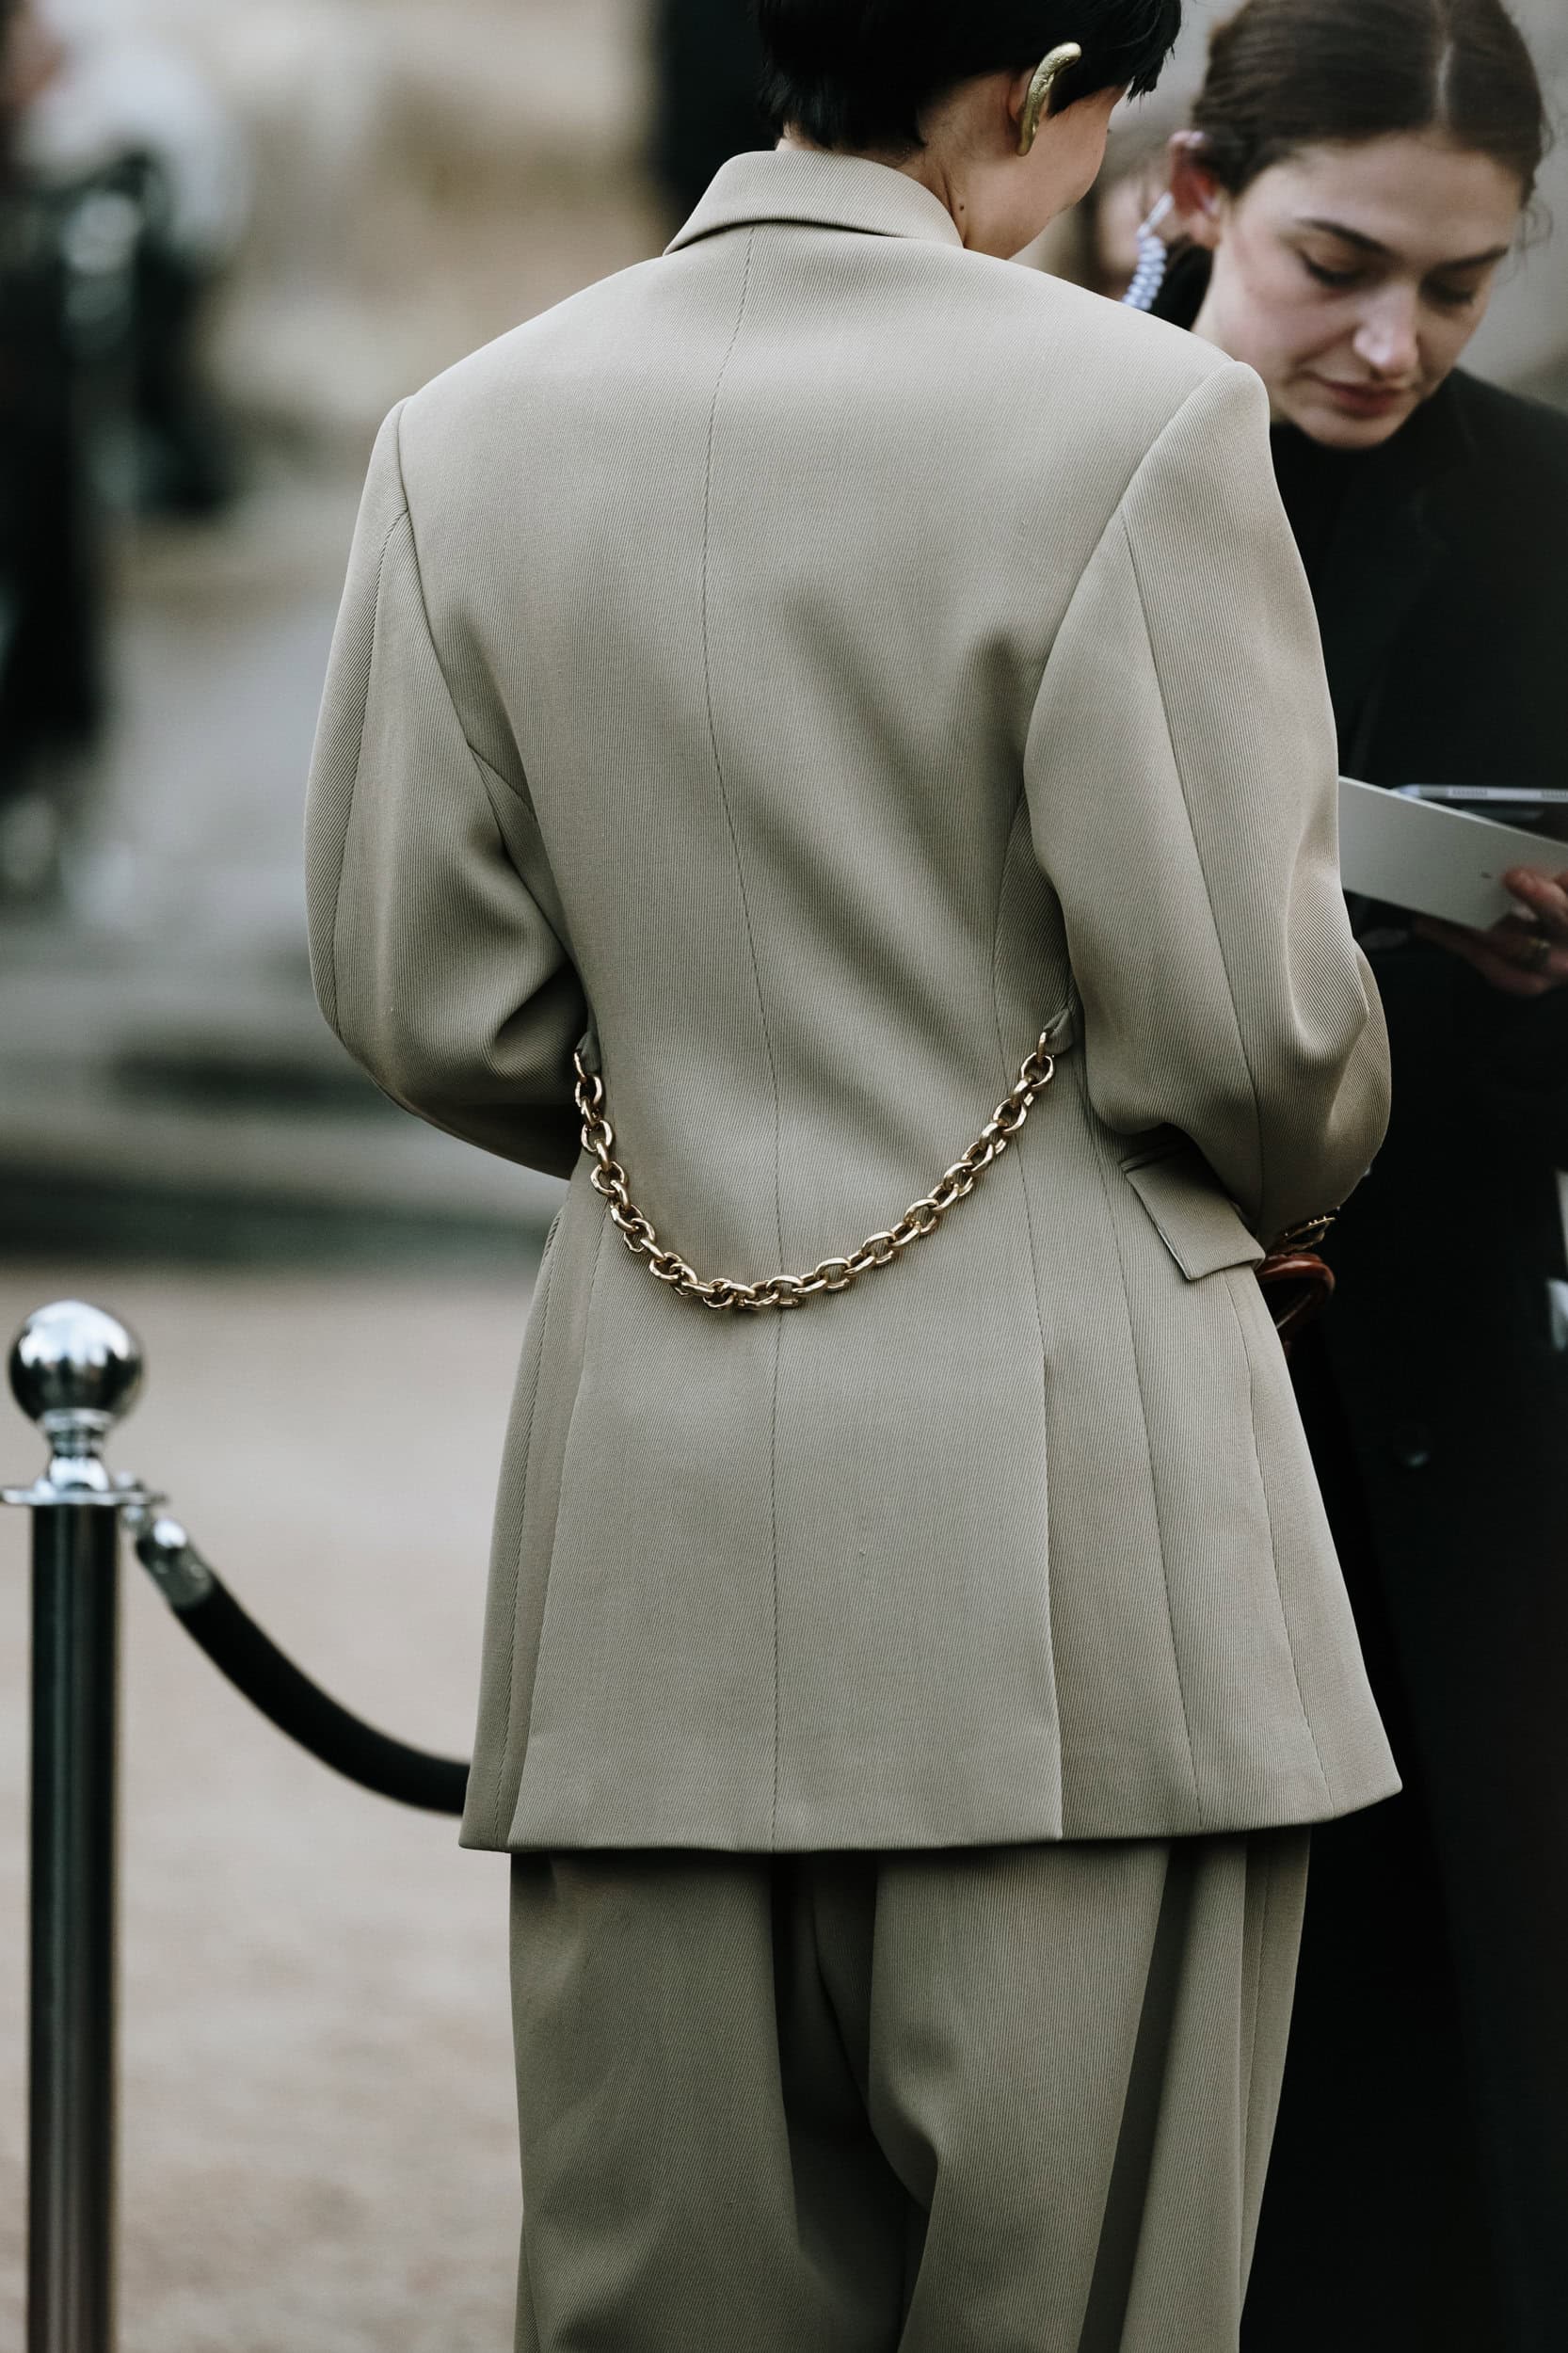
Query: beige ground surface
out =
(318, 2136)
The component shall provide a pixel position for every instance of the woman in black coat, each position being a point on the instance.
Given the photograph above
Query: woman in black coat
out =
(1358, 171)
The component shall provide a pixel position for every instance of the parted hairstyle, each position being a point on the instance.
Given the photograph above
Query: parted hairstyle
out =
(861, 74)
(1285, 74)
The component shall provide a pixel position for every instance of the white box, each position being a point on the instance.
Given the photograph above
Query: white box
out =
(1432, 861)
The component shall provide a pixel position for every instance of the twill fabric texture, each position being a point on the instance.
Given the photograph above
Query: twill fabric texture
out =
(1018, 2101)
(800, 668)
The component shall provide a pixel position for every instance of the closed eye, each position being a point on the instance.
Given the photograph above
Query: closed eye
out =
(1326, 277)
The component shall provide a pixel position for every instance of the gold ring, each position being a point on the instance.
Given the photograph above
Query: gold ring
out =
(1539, 953)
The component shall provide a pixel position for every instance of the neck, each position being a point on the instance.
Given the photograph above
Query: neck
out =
(1206, 325)
(924, 167)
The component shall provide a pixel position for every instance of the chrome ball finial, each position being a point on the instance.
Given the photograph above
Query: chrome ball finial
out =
(75, 1368)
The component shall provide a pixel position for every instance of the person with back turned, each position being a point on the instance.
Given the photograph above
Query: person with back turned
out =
(770, 725)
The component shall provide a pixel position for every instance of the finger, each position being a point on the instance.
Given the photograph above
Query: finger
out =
(1523, 940)
(1545, 896)
(1511, 979)
(1526, 876)
(1480, 950)
(1530, 948)
(1528, 944)
(1513, 944)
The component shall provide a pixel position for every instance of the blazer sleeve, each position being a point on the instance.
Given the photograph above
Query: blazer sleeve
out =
(438, 947)
(1182, 779)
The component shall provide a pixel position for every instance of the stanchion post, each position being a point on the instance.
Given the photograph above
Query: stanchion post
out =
(74, 1371)
(71, 2125)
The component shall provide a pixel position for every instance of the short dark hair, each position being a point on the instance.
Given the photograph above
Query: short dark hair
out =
(861, 74)
(1284, 75)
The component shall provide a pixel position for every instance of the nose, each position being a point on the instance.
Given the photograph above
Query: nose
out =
(1388, 338)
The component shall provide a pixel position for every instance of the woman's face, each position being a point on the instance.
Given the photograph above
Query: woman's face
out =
(1352, 278)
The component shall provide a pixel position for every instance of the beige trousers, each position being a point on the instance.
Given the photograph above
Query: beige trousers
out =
(1016, 2100)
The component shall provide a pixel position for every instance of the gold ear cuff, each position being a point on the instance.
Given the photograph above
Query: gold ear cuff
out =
(1046, 74)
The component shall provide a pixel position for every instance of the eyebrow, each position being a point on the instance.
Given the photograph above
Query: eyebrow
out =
(1383, 253)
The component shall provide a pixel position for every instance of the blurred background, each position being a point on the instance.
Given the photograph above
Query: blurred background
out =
(233, 233)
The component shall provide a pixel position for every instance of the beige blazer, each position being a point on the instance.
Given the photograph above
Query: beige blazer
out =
(821, 657)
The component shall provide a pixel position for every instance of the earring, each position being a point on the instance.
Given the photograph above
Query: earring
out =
(1047, 74)
(1154, 260)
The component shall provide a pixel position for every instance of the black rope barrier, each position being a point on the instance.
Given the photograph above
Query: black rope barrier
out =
(75, 1371)
(270, 1679)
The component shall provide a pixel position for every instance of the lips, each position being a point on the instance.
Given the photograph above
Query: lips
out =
(1368, 400)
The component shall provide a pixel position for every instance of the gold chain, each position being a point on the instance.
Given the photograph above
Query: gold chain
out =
(834, 1274)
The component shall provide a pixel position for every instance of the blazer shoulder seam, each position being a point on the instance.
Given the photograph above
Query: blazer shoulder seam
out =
(1233, 373)
(1118, 509)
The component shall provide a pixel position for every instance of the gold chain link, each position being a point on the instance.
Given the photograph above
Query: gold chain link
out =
(834, 1274)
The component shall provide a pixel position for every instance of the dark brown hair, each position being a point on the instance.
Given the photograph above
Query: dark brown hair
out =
(860, 73)
(1284, 75)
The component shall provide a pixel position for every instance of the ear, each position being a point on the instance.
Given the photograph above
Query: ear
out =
(1014, 99)
(1197, 196)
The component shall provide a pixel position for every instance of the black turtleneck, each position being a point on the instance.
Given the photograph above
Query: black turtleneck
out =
(1315, 484)
(1435, 565)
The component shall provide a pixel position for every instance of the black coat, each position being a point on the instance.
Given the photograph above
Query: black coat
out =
(1419, 2196)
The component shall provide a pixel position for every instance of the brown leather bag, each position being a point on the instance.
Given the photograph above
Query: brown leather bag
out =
(1298, 1286)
